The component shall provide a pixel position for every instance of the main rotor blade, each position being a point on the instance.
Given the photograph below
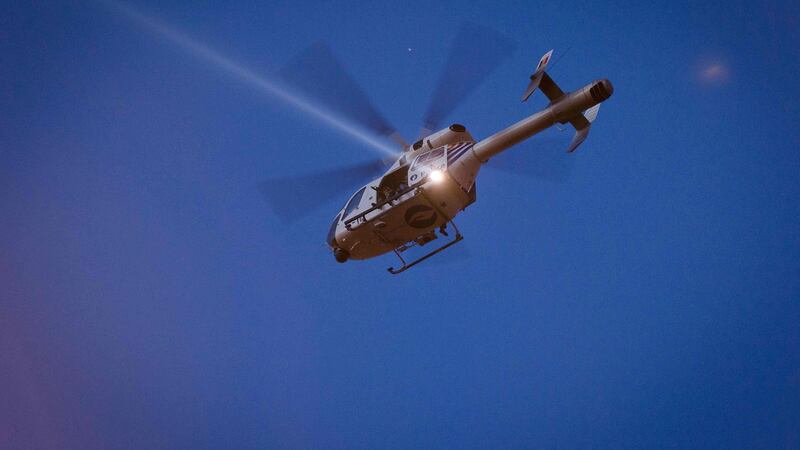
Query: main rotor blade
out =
(293, 197)
(475, 53)
(318, 74)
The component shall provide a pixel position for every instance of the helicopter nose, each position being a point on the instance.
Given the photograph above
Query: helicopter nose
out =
(341, 255)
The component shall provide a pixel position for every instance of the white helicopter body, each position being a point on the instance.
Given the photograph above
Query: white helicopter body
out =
(426, 188)
(434, 179)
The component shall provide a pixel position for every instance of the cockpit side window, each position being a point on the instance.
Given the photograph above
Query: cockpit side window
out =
(331, 239)
(353, 203)
(431, 155)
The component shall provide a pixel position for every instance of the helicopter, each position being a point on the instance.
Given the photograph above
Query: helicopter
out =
(427, 184)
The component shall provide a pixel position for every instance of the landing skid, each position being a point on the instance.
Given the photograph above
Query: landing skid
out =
(407, 265)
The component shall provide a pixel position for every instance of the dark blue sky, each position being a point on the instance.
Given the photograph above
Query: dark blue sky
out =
(645, 296)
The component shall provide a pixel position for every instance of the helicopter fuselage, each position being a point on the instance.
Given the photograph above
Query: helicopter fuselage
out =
(434, 179)
(434, 187)
(441, 183)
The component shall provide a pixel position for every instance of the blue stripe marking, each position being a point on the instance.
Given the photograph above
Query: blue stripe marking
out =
(455, 151)
(455, 156)
(458, 151)
(457, 147)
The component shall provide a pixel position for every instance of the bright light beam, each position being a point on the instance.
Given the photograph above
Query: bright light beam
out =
(263, 85)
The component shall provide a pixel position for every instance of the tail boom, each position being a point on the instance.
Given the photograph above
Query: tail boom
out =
(564, 108)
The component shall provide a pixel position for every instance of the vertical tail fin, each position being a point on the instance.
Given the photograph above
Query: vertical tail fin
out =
(538, 74)
(582, 123)
(591, 113)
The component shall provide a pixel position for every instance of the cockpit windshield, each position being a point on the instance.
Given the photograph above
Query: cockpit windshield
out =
(353, 203)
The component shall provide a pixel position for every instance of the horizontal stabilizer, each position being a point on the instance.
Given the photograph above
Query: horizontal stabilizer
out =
(535, 80)
(580, 136)
(591, 113)
(582, 123)
(537, 76)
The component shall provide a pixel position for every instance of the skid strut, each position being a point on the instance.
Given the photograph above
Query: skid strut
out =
(458, 237)
(407, 265)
